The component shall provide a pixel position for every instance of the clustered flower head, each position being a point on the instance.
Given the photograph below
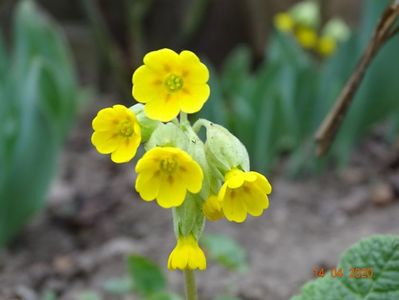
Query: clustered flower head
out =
(194, 178)
(303, 22)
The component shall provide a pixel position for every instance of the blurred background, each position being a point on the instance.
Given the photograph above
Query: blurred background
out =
(71, 224)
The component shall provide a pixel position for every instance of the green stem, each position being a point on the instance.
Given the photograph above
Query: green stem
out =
(189, 281)
(184, 119)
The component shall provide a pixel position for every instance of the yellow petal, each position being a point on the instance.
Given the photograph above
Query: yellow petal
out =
(233, 208)
(147, 85)
(171, 193)
(147, 185)
(162, 61)
(125, 151)
(193, 71)
(163, 109)
(105, 141)
(191, 174)
(193, 97)
(263, 183)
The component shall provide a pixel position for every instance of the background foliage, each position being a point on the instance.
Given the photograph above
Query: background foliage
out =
(38, 100)
(277, 109)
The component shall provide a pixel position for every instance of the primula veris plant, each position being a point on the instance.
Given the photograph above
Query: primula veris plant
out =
(196, 179)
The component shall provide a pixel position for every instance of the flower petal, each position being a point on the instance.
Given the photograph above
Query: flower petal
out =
(105, 141)
(125, 151)
(171, 193)
(193, 71)
(163, 109)
(193, 97)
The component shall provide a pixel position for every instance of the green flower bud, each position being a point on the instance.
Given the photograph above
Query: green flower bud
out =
(337, 29)
(306, 13)
(147, 125)
(223, 150)
(167, 135)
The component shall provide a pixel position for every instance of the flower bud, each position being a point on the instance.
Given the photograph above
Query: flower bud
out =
(337, 29)
(224, 150)
(147, 125)
(306, 14)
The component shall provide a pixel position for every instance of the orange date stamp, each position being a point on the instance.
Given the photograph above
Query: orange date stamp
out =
(355, 273)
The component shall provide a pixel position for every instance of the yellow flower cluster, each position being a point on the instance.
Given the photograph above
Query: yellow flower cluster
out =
(178, 170)
(302, 23)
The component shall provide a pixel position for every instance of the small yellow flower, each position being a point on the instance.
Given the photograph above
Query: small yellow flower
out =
(326, 46)
(187, 255)
(284, 22)
(306, 37)
(242, 193)
(166, 174)
(116, 131)
(212, 208)
(169, 83)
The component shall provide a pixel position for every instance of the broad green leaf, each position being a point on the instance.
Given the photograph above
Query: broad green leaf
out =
(226, 251)
(147, 276)
(379, 254)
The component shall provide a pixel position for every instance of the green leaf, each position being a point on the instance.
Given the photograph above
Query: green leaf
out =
(226, 251)
(223, 297)
(378, 253)
(164, 296)
(89, 296)
(119, 286)
(146, 275)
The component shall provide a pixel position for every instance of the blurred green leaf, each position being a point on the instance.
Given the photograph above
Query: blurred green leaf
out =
(164, 296)
(119, 286)
(378, 253)
(89, 296)
(38, 101)
(49, 295)
(226, 251)
(222, 297)
(147, 276)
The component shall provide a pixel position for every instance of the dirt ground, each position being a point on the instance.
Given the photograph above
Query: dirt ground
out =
(94, 219)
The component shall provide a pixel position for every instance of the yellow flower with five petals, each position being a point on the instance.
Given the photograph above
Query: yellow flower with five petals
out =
(166, 174)
(242, 193)
(169, 82)
(187, 255)
(116, 132)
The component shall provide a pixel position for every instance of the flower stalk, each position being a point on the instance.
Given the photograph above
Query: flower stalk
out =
(190, 286)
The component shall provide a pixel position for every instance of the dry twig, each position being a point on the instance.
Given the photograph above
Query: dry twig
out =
(384, 31)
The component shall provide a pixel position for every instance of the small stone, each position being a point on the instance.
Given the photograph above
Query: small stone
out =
(382, 194)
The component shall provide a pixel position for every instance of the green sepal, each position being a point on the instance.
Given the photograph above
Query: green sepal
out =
(223, 150)
(188, 218)
(167, 135)
(147, 125)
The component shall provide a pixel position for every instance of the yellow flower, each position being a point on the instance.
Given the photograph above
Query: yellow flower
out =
(212, 208)
(326, 46)
(187, 255)
(116, 131)
(242, 193)
(165, 174)
(169, 83)
(306, 37)
(284, 22)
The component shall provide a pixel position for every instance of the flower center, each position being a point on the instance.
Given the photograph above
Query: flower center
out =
(173, 83)
(125, 128)
(168, 165)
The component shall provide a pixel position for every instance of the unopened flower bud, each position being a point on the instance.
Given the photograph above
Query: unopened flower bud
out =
(306, 14)
(337, 29)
